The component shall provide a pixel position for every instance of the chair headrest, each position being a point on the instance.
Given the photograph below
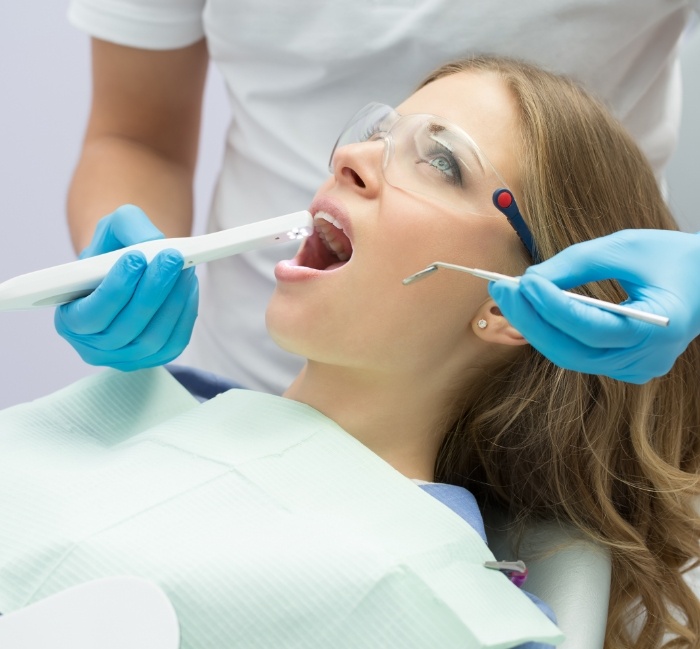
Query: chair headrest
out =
(565, 570)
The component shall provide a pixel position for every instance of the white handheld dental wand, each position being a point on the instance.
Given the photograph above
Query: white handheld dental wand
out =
(651, 318)
(67, 282)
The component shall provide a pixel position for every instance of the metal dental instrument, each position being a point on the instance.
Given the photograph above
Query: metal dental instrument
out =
(67, 282)
(651, 318)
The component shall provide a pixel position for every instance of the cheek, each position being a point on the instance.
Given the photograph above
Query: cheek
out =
(426, 325)
(384, 325)
(415, 234)
(447, 301)
(418, 238)
(444, 302)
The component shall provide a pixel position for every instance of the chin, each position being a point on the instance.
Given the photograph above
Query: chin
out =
(286, 325)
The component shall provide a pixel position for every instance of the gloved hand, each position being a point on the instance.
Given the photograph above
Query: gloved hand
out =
(141, 315)
(656, 268)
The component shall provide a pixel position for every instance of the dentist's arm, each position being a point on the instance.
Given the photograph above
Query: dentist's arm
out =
(659, 271)
(140, 147)
(141, 141)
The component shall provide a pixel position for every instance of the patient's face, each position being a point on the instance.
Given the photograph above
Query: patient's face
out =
(357, 313)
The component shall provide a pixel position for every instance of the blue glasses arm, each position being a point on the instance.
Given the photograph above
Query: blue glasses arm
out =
(504, 200)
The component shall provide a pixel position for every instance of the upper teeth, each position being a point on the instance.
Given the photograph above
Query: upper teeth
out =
(327, 217)
(328, 235)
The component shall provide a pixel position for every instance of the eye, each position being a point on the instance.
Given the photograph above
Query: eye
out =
(371, 132)
(445, 164)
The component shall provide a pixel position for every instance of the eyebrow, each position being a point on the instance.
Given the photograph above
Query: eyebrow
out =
(434, 129)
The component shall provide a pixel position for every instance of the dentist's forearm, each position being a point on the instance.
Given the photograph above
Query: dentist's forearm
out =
(113, 171)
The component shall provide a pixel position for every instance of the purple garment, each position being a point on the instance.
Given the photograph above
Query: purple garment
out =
(462, 502)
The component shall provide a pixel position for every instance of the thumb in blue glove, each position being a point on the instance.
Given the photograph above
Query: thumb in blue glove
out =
(654, 268)
(141, 315)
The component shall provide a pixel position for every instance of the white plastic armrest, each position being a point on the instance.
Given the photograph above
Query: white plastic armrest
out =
(110, 613)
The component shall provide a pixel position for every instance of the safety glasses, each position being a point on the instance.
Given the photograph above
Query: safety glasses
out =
(428, 155)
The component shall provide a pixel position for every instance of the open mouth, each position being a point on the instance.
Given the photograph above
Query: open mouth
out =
(328, 248)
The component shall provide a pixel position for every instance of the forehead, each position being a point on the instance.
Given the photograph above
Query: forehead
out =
(483, 106)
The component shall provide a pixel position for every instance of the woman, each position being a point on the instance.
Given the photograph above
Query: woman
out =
(432, 379)
(618, 461)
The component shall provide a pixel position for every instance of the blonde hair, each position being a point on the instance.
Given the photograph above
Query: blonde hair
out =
(617, 461)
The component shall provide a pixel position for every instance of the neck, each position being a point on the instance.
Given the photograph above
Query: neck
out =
(401, 420)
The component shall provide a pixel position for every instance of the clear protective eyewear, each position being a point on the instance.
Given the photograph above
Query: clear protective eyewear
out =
(428, 155)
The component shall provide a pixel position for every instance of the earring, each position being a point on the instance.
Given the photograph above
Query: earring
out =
(482, 324)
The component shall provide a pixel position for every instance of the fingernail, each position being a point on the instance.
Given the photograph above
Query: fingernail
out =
(171, 258)
(135, 262)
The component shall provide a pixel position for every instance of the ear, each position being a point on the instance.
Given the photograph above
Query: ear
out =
(490, 325)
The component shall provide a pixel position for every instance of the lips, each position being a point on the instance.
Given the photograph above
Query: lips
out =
(330, 246)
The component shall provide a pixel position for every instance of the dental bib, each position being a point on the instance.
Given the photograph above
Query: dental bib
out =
(265, 523)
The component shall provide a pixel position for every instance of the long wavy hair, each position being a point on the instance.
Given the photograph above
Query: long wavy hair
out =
(617, 461)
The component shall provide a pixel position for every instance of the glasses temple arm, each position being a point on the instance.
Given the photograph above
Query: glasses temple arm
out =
(504, 201)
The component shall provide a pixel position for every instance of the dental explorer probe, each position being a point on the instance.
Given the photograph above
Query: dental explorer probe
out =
(67, 282)
(651, 318)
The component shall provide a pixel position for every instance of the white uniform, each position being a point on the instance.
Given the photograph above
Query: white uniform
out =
(296, 71)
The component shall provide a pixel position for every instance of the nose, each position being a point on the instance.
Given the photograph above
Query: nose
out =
(360, 166)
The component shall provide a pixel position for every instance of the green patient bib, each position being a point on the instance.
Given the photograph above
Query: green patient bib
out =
(265, 523)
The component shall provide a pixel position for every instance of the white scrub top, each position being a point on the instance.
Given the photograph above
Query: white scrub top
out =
(296, 71)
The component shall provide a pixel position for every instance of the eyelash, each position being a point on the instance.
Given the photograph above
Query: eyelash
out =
(441, 152)
(370, 132)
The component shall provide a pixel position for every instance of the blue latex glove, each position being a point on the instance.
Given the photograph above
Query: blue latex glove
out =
(656, 268)
(141, 315)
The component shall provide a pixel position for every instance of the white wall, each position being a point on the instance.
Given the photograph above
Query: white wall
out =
(45, 94)
(44, 81)
(684, 170)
